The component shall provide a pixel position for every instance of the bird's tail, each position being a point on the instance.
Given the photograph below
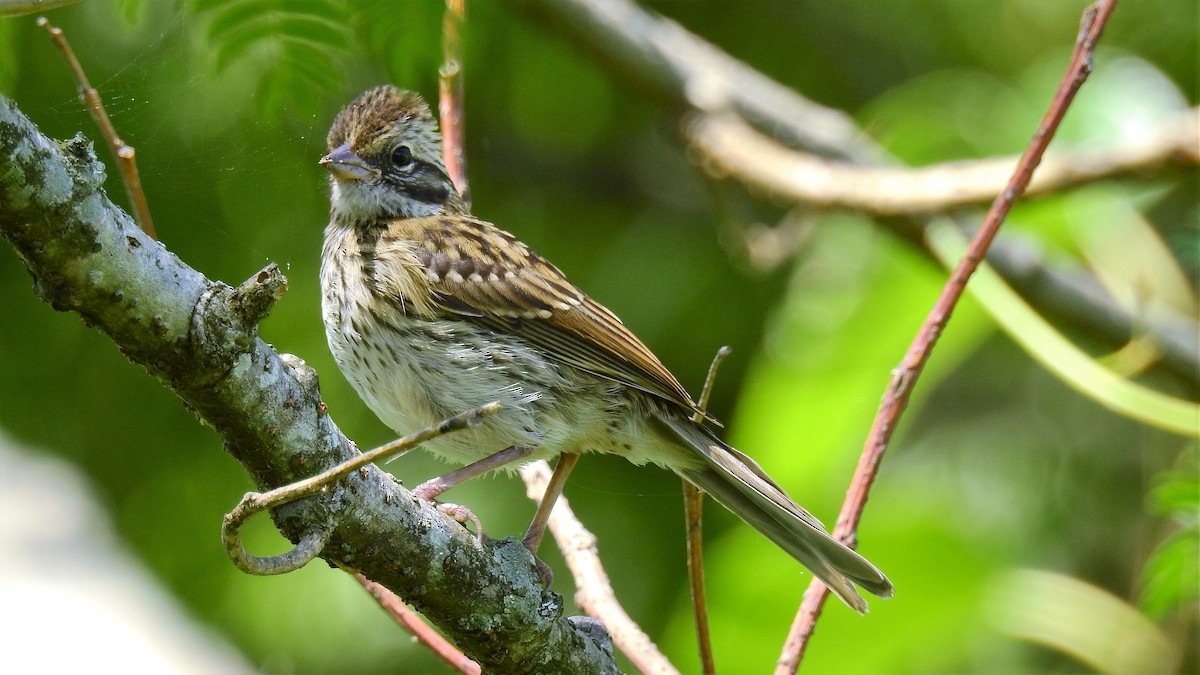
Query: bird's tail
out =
(736, 482)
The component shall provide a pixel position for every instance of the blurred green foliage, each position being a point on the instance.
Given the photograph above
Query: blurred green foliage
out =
(997, 466)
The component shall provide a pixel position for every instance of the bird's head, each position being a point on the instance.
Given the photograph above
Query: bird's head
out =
(385, 160)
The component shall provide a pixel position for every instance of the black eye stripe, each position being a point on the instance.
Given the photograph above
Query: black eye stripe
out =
(417, 169)
(423, 182)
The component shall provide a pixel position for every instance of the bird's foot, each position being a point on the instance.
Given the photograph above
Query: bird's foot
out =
(462, 515)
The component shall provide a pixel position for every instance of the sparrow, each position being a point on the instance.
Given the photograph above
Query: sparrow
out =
(430, 311)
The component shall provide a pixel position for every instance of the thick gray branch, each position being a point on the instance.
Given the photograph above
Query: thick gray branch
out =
(199, 338)
(690, 76)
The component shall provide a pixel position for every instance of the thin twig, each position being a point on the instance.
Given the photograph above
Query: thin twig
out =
(693, 513)
(125, 155)
(423, 632)
(593, 591)
(450, 98)
(255, 502)
(904, 378)
(709, 379)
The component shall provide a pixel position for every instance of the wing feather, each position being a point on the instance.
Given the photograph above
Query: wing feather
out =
(485, 274)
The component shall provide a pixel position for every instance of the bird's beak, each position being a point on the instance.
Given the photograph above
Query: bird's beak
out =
(345, 165)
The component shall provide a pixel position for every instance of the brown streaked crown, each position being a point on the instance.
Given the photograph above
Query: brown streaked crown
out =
(374, 113)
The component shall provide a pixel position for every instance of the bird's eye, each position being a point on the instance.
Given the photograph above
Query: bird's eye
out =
(402, 157)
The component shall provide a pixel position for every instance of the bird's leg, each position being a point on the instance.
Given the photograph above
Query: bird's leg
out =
(430, 489)
(554, 488)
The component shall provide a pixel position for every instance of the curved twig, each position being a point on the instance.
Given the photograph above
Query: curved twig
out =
(315, 538)
(311, 544)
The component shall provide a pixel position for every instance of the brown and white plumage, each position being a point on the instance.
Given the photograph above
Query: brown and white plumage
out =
(430, 311)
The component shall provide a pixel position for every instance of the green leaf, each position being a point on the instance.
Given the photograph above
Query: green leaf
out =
(133, 11)
(1171, 578)
(235, 15)
(318, 31)
(235, 46)
(380, 27)
(292, 45)
(1077, 618)
(1056, 353)
(1178, 494)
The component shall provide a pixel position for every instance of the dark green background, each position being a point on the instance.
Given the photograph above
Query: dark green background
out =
(998, 465)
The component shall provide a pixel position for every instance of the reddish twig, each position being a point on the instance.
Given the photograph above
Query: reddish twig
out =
(904, 378)
(693, 510)
(450, 98)
(424, 634)
(124, 154)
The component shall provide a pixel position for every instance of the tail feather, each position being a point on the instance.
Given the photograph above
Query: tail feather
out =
(736, 482)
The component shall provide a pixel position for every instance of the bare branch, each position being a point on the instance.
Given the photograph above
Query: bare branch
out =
(732, 147)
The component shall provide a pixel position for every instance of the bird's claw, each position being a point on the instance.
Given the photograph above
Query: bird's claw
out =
(462, 515)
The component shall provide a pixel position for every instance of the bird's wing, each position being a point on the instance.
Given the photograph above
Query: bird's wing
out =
(484, 274)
